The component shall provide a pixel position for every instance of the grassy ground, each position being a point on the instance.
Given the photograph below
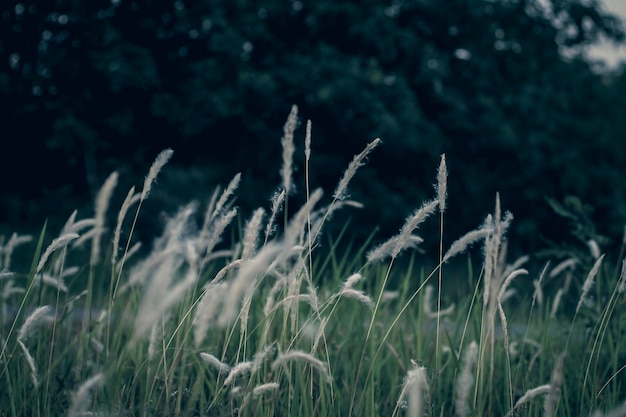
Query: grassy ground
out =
(274, 326)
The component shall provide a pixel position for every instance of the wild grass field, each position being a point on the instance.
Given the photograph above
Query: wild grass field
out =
(190, 325)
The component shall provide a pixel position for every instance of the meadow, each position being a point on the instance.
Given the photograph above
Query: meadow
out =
(242, 314)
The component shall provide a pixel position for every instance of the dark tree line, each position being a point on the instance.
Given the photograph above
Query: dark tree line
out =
(502, 88)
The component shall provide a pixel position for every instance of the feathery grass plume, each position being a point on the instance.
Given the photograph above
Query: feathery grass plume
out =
(215, 362)
(621, 287)
(594, 249)
(404, 239)
(207, 309)
(129, 254)
(14, 241)
(321, 333)
(249, 272)
(465, 381)
(251, 233)
(9, 289)
(288, 149)
(442, 183)
(214, 210)
(295, 229)
(35, 319)
(589, 282)
(174, 258)
(270, 300)
(501, 295)
(385, 249)
(55, 282)
(298, 355)
(460, 245)
(414, 388)
(102, 204)
(73, 226)
(81, 398)
(428, 297)
(260, 357)
(156, 336)
(562, 266)
(411, 224)
(556, 380)
(162, 158)
(59, 242)
(619, 411)
(307, 141)
(222, 272)
(277, 203)
(532, 393)
(263, 389)
(358, 295)
(238, 370)
(131, 198)
(215, 234)
(355, 164)
(31, 364)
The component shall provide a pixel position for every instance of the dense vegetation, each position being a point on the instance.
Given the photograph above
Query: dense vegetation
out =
(268, 326)
(503, 88)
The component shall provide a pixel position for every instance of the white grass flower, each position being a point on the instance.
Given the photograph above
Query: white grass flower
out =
(594, 248)
(277, 202)
(412, 222)
(59, 242)
(207, 309)
(460, 245)
(442, 181)
(298, 355)
(357, 295)
(215, 362)
(131, 198)
(562, 266)
(532, 393)
(263, 389)
(500, 300)
(465, 381)
(428, 297)
(384, 250)
(621, 287)
(357, 161)
(55, 282)
(216, 232)
(270, 300)
(35, 319)
(238, 370)
(352, 280)
(589, 282)
(14, 241)
(556, 380)
(288, 148)
(9, 289)
(221, 202)
(164, 291)
(413, 391)
(321, 333)
(251, 233)
(102, 204)
(81, 398)
(248, 272)
(538, 293)
(260, 357)
(162, 158)
(307, 141)
(31, 364)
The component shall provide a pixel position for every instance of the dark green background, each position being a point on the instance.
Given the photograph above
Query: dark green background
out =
(500, 86)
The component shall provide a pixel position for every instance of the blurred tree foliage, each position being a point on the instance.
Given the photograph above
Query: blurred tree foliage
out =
(502, 87)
